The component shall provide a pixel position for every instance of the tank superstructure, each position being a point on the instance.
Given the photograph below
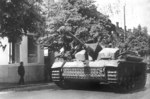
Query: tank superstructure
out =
(100, 65)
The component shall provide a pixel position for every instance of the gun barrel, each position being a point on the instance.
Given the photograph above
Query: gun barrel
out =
(74, 37)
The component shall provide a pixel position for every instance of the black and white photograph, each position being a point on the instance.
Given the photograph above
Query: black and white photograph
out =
(74, 49)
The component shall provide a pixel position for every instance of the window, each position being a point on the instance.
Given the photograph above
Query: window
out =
(32, 50)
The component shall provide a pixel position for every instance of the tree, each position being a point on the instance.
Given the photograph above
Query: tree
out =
(19, 17)
(79, 17)
(138, 40)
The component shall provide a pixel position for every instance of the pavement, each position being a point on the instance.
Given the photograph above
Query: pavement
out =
(8, 86)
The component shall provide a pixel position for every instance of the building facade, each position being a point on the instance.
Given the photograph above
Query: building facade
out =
(25, 51)
(31, 54)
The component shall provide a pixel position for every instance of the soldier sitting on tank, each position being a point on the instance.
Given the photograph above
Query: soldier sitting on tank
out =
(76, 49)
(88, 52)
(65, 52)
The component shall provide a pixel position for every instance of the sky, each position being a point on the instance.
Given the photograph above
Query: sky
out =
(137, 12)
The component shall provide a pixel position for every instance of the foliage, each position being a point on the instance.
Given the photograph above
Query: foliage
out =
(138, 40)
(18, 17)
(79, 17)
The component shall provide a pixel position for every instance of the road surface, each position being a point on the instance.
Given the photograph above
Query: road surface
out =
(54, 92)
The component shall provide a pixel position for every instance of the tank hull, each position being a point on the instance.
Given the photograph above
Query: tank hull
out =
(125, 74)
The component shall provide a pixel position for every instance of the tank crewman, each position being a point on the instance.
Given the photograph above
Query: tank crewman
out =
(110, 45)
(21, 72)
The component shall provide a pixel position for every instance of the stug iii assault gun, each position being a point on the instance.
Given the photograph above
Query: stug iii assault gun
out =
(97, 65)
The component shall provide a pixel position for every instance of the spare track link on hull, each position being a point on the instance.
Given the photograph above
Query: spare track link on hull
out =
(58, 79)
(56, 74)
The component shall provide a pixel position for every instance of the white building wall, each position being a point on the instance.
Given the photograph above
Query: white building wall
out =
(24, 50)
(40, 55)
(4, 54)
(33, 71)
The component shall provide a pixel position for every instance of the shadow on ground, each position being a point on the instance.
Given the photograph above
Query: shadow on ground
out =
(105, 88)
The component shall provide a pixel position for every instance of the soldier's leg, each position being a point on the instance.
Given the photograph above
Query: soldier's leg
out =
(22, 80)
(19, 81)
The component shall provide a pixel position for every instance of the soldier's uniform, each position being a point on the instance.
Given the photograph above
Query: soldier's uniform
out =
(21, 72)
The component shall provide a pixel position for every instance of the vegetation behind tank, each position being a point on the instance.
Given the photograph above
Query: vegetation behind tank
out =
(81, 18)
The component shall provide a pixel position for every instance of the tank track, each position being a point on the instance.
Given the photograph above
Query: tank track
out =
(133, 81)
